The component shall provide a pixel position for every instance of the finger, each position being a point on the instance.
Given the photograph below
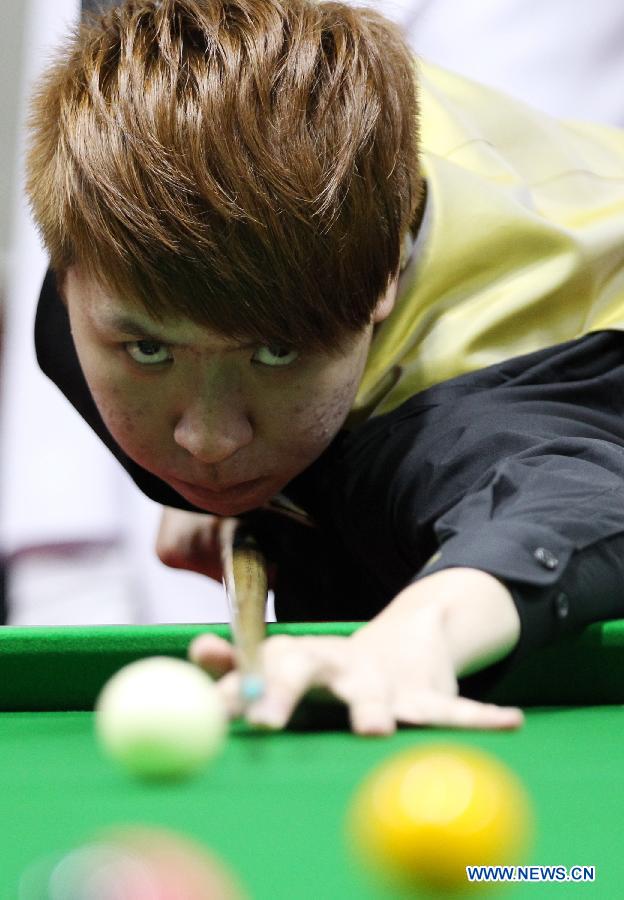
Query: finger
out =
(229, 688)
(287, 673)
(212, 653)
(372, 717)
(431, 708)
(189, 541)
(367, 695)
(200, 551)
(289, 670)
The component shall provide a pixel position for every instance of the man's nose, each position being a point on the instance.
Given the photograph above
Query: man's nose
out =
(214, 426)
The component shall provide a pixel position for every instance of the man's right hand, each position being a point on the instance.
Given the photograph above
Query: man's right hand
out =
(190, 541)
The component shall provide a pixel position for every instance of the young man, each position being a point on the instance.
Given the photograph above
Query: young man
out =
(270, 271)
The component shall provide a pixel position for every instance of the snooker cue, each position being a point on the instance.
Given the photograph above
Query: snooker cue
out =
(246, 585)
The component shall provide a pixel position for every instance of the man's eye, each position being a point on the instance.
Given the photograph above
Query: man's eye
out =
(148, 353)
(271, 355)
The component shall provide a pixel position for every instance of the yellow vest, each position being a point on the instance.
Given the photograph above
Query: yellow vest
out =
(522, 244)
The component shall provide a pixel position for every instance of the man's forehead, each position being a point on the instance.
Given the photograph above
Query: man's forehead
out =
(107, 309)
(99, 302)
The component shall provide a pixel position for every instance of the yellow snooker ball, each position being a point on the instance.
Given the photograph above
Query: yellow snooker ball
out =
(423, 815)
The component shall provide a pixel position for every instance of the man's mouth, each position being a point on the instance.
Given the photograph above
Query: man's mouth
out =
(235, 490)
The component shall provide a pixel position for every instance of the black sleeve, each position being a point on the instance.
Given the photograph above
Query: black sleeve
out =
(550, 525)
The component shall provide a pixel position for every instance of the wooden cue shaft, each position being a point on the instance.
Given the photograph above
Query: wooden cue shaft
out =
(246, 583)
(251, 585)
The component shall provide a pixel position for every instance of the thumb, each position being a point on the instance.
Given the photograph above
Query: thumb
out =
(212, 653)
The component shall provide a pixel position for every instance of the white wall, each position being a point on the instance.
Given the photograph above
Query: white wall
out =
(58, 484)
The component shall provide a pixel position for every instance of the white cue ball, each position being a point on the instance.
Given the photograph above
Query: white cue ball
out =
(161, 718)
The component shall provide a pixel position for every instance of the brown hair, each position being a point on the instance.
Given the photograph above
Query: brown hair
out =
(249, 164)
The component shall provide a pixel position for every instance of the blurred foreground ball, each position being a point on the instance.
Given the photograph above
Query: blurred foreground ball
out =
(161, 718)
(134, 863)
(424, 815)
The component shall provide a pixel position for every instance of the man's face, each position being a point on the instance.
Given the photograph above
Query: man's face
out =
(226, 424)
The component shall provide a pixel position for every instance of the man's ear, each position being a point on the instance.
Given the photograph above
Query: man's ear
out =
(385, 304)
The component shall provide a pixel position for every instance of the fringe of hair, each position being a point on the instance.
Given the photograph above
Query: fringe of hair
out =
(249, 164)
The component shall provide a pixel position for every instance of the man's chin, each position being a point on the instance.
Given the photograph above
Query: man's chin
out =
(229, 502)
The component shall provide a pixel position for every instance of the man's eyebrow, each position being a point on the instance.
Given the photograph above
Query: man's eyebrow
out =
(123, 323)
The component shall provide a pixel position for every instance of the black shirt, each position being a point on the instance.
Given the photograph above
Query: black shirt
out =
(517, 470)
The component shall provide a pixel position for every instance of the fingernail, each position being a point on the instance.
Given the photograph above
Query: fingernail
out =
(265, 716)
(375, 728)
(511, 717)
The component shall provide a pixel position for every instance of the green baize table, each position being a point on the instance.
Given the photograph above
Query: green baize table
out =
(273, 804)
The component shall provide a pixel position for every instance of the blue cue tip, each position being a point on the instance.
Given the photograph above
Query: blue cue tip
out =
(252, 688)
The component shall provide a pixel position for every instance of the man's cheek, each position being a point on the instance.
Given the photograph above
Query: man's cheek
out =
(317, 424)
(126, 420)
(122, 424)
(139, 438)
(330, 412)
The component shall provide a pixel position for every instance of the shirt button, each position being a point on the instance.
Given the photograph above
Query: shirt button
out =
(562, 606)
(546, 558)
